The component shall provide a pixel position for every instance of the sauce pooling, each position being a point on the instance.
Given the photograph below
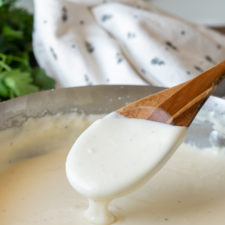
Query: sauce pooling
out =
(189, 189)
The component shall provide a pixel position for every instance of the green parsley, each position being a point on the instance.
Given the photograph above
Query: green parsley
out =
(19, 71)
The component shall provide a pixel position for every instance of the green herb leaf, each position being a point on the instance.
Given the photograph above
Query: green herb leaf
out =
(19, 71)
(19, 83)
(42, 80)
(4, 92)
(11, 34)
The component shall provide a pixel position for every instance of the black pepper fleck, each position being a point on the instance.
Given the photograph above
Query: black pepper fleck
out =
(131, 35)
(209, 59)
(64, 14)
(198, 68)
(170, 44)
(73, 46)
(81, 22)
(143, 71)
(219, 46)
(166, 219)
(64, 17)
(87, 80)
(182, 32)
(90, 48)
(157, 61)
(188, 72)
(53, 53)
(119, 58)
(106, 17)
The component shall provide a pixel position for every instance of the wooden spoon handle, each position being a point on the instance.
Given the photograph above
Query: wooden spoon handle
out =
(177, 105)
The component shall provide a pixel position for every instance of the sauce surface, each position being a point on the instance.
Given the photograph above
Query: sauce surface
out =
(189, 189)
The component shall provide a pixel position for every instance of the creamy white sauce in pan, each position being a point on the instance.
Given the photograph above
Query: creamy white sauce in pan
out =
(189, 189)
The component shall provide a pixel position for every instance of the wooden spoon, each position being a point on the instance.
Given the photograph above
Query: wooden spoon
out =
(180, 104)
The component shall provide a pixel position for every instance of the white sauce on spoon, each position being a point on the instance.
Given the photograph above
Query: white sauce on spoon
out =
(115, 156)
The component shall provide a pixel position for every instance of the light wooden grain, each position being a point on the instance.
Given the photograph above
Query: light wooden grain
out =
(177, 105)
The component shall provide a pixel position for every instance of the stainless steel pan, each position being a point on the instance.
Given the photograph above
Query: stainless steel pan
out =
(95, 100)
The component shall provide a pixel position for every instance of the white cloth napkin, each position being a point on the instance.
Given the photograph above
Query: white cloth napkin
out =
(120, 42)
